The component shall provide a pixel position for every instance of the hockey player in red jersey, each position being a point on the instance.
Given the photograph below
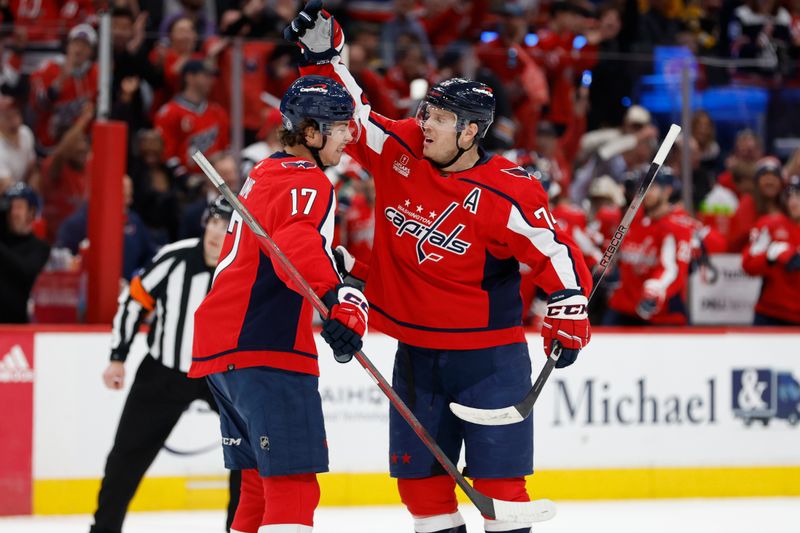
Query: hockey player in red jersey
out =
(774, 254)
(189, 122)
(452, 225)
(253, 336)
(653, 264)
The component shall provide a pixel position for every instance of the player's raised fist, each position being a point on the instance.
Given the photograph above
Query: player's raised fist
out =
(566, 321)
(317, 33)
(346, 323)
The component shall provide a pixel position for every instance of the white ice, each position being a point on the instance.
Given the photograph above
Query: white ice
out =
(746, 515)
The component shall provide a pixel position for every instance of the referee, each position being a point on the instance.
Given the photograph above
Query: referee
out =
(171, 287)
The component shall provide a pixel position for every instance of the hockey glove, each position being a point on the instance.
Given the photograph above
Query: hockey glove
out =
(652, 299)
(346, 323)
(566, 322)
(347, 265)
(317, 33)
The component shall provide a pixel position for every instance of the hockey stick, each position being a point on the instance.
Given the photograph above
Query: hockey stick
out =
(533, 511)
(521, 411)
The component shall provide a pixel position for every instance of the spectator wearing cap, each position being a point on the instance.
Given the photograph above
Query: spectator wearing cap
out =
(774, 255)
(765, 200)
(61, 88)
(202, 14)
(189, 122)
(618, 139)
(22, 255)
(653, 264)
(17, 154)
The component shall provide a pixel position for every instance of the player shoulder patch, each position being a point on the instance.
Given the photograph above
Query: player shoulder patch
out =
(519, 172)
(306, 165)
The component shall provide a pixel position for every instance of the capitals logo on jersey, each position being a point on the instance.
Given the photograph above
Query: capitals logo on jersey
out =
(518, 172)
(426, 230)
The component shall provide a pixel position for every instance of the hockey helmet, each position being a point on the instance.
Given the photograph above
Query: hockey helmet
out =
(323, 100)
(470, 101)
(218, 208)
(20, 190)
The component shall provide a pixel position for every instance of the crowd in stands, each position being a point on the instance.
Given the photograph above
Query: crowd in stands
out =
(563, 74)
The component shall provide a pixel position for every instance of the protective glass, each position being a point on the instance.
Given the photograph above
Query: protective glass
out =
(346, 132)
(437, 118)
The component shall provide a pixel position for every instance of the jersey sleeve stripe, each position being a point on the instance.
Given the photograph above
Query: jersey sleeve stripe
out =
(669, 261)
(325, 229)
(376, 136)
(544, 240)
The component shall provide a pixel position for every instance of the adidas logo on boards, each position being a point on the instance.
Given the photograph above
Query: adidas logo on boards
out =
(14, 367)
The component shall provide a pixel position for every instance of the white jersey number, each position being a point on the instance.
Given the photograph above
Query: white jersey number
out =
(542, 213)
(235, 227)
(312, 193)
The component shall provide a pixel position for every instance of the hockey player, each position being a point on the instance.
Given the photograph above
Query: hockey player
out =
(653, 264)
(253, 336)
(774, 254)
(171, 288)
(452, 225)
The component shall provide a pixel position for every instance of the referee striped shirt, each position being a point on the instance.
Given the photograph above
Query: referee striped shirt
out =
(170, 288)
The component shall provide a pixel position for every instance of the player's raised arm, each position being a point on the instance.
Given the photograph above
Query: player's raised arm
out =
(321, 40)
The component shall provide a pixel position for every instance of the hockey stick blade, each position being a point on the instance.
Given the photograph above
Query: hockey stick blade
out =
(536, 511)
(523, 409)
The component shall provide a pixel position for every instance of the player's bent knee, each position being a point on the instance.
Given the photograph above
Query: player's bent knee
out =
(290, 500)
(428, 496)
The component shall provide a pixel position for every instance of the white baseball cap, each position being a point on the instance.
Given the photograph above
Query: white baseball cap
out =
(636, 114)
(83, 31)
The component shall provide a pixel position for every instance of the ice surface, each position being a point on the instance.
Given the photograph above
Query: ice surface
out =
(746, 515)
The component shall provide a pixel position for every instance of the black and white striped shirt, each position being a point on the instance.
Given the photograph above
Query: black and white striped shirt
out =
(171, 287)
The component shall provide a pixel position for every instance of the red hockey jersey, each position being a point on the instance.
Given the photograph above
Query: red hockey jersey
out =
(654, 263)
(254, 315)
(773, 241)
(444, 269)
(187, 127)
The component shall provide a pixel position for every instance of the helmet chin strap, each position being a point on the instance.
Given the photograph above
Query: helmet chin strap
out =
(458, 155)
(315, 152)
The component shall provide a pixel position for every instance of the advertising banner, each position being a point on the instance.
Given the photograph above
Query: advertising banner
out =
(16, 422)
(722, 293)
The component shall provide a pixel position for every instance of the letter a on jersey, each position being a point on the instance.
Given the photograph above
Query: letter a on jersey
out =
(471, 201)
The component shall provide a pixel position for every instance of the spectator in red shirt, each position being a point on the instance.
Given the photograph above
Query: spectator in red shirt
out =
(65, 174)
(774, 254)
(765, 200)
(189, 122)
(169, 57)
(747, 148)
(564, 58)
(60, 89)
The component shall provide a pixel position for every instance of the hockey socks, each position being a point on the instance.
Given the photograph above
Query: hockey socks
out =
(509, 489)
(279, 504)
(432, 502)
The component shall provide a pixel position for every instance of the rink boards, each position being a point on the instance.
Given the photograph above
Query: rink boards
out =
(652, 414)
